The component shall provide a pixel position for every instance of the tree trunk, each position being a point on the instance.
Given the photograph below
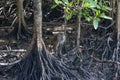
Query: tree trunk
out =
(118, 21)
(51, 67)
(21, 12)
(22, 27)
(38, 31)
(38, 22)
(113, 6)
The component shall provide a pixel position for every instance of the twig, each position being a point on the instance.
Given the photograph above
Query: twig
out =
(107, 27)
(104, 61)
(73, 50)
(15, 50)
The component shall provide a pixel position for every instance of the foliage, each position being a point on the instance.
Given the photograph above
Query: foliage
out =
(91, 10)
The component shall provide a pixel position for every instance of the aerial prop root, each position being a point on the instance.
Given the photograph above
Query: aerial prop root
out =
(52, 68)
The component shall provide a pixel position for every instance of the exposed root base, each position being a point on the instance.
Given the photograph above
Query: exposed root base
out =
(43, 66)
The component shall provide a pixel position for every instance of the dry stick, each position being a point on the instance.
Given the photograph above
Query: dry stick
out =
(104, 61)
(65, 29)
(13, 22)
(79, 29)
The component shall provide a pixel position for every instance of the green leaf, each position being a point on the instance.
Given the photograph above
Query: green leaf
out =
(65, 1)
(66, 10)
(97, 12)
(95, 23)
(108, 8)
(104, 16)
(68, 17)
(74, 11)
(70, 4)
(78, 1)
(58, 2)
(93, 4)
(88, 18)
(54, 6)
(98, 6)
(105, 8)
(86, 5)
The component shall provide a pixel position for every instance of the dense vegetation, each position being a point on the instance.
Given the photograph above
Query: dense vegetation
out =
(59, 40)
